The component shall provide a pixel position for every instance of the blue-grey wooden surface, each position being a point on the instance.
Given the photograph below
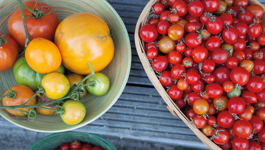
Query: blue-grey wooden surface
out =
(138, 120)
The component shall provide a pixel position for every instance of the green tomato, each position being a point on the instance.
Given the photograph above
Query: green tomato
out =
(235, 93)
(26, 76)
(98, 85)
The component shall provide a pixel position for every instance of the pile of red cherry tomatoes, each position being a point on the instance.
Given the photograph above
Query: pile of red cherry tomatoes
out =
(209, 56)
(77, 145)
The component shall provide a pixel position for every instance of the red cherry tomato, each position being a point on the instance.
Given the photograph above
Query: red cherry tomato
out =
(254, 30)
(192, 78)
(199, 121)
(162, 27)
(261, 135)
(97, 148)
(231, 62)
(240, 144)
(255, 84)
(193, 40)
(259, 66)
(214, 25)
(174, 92)
(195, 8)
(254, 146)
(152, 53)
(239, 45)
(148, 33)
(208, 65)
(227, 19)
(214, 90)
(239, 75)
(173, 18)
(256, 123)
(235, 11)
(199, 54)
(221, 74)
(258, 55)
(261, 39)
(222, 136)
(212, 120)
(236, 105)
(180, 103)
(249, 97)
(160, 63)
(86, 147)
(164, 15)
(190, 114)
(228, 86)
(230, 35)
(64, 146)
(158, 8)
(166, 79)
(241, 28)
(213, 43)
(205, 17)
(174, 57)
(241, 3)
(75, 145)
(220, 56)
(245, 16)
(181, 8)
(261, 96)
(177, 71)
(225, 119)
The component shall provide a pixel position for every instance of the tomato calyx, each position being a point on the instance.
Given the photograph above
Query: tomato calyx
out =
(10, 94)
(219, 105)
(254, 23)
(153, 16)
(2, 40)
(216, 133)
(242, 10)
(236, 117)
(174, 11)
(230, 11)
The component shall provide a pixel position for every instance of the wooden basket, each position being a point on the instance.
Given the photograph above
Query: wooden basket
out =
(172, 107)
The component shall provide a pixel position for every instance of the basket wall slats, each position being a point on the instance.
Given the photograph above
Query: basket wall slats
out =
(172, 107)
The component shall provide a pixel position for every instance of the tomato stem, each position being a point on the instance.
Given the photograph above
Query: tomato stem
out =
(21, 7)
(2, 40)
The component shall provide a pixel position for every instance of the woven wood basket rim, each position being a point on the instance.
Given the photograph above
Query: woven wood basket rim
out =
(172, 107)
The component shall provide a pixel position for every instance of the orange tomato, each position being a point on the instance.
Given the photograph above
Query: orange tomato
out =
(43, 56)
(220, 103)
(8, 52)
(23, 93)
(247, 64)
(84, 38)
(75, 79)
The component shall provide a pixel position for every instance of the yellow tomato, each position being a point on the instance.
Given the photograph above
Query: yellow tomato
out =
(43, 56)
(75, 79)
(84, 38)
(74, 112)
(56, 85)
(44, 111)
(23, 93)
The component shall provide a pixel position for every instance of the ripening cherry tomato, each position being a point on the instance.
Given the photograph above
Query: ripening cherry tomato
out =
(166, 80)
(228, 86)
(187, 62)
(175, 32)
(222, 8)
(246, 114)
(208, 130)
(153, 21)
(201, 106)
(240, 143)
(220, 103)
(221, 136)
(225, 119)
(173, 18)
(261, 113)
(247, 64)
(214, 25)
(240, 56)
(258, 55)
(166, 45)
(182, 84)
(214, 90)
(148, 33)
(195, 8)
(160, 63)
(158, 8)
(181, 8)
(256, 10)
(199, 54)
(236, 105)
(174, 92)
(199, 121)
(190, 114)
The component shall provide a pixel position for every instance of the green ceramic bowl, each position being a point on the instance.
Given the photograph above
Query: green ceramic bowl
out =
(55, 140)
(118, 70)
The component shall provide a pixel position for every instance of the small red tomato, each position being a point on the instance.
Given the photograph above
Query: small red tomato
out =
(221, 75)
(205, 17)
(221, 136)
(241, 28)
(214, 25)
(227, 19)
(255, 84)
(86, 147)
(228, 86)
(148, 33)
(239, 75)
(177, 71)
(258, 55)
(208, 65)
(240, 143)
(193, 40)
(254, 30)
(211, 5)
(214, 90)
(190, 114)
(225, 119)
(236, 105)
(230, 35)
(235, 11)
(166, 79)
(199, 121)
(213, 43)
(174, 92)
(245, 16)
(181, 8)
(231, 62)
(210, 79)
(64, 146)
(212, 120)
(249, 97)
(240, 44)
(162, 27)
(254, 146)
(173, 18)
(164, 15)
(195, 8)
(261, 96)
(174, 57)
(75, 145)
(160, 63)
(256, 123)
(261, 135)
(192, 78)
(199, 54)
(261, 39)
(152, 53)
(158, 8)
(180, 103)
(181, 47)
(220, 56)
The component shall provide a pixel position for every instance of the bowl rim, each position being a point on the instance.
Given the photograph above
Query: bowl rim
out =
(83, 123)
(40, 141)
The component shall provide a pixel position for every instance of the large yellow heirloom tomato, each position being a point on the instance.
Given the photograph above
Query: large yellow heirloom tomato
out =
(43, 56)
(84, 38)
(74, 112)
(56, 85)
